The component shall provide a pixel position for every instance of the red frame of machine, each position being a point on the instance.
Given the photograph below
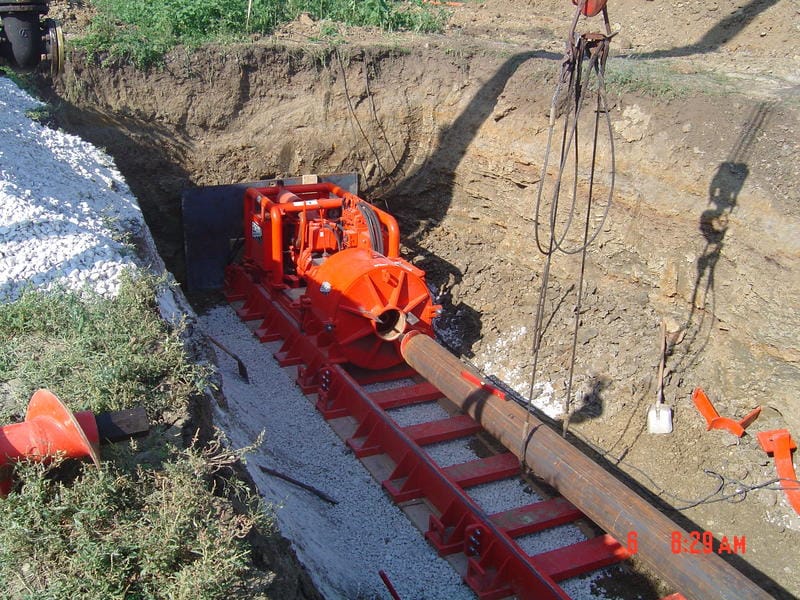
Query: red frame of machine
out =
(332, 260)
(274, 294)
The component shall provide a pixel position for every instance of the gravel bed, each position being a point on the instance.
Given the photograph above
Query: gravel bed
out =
(454, 452)
(418, 413)
(343, 546)
(499, 496)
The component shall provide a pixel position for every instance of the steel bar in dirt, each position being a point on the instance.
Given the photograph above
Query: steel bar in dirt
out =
(602, 497)
(239, 363)
(779, 443)
(385, 578)
(310, 488)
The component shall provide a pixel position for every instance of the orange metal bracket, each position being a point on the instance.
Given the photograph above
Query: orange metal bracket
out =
(714, 421)
(780, 444)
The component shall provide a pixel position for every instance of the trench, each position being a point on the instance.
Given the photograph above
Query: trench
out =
(451, 143)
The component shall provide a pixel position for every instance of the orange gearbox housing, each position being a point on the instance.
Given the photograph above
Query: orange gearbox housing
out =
(367, 301)
(335, 259)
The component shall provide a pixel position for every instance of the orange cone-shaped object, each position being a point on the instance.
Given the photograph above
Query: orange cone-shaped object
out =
(50, 428)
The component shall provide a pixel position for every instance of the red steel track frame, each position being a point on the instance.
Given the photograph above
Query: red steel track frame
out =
(497, 567)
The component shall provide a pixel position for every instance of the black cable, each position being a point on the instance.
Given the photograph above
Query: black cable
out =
(739, 495)
(373, 226)
(355, 117)
(577, 86)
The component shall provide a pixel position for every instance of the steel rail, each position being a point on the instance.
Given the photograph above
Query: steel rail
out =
(497, 567)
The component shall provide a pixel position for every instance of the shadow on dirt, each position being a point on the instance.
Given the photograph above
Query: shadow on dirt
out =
(591, 402)
(723, 196)
(723, 31)
(434, 182)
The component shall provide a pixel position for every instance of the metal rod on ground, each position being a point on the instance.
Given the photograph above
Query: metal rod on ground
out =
(598, 494)
(119, 425)
(317, 492)
(385, 578)
(239, 363)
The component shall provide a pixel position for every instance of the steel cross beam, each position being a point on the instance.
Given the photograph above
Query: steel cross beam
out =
(498, 567)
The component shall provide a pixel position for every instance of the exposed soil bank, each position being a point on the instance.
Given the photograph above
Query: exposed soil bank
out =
(702, 231)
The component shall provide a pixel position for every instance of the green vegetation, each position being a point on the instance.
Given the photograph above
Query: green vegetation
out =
(114, 533)
(143, 31)
(23, 81)
(155, 521)
(100, 354)
(660, 80)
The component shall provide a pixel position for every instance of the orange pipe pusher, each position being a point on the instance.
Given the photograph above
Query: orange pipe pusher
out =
(337, 257)
(49, 429)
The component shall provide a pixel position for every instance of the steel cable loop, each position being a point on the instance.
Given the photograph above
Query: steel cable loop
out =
(571, 72)
(566, 145)
(571, 141)
(378, 122)
(567, 74)
(602, 106)
(567, 68)
(354, 118)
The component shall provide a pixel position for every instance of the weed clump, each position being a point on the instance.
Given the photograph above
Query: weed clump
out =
(156, 521)
(102, 354)
(142, 31)
(112, 534)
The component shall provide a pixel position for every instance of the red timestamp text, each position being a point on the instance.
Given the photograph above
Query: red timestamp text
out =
(702, 542)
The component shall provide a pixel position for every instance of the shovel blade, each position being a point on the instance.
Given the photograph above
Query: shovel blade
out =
(659, 419)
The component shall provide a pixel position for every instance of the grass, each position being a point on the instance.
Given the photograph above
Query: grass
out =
(97, 353)
(142, 31)
(660, 80)
(117, 533)
(24, 81)
(156, 520)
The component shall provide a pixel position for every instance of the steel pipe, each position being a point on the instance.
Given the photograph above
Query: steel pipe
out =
(599, 495)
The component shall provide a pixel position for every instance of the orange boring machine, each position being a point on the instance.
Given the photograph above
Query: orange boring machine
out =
(320, 270)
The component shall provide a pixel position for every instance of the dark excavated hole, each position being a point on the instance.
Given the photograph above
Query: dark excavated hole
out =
(391, 324)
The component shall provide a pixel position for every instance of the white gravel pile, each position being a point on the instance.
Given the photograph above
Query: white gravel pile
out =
(64, 207)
